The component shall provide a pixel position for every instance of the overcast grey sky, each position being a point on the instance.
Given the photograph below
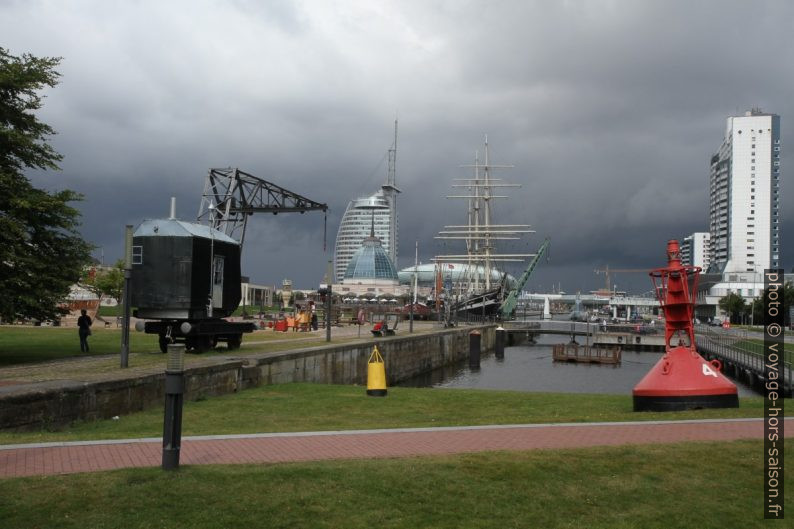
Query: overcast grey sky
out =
(609, 110)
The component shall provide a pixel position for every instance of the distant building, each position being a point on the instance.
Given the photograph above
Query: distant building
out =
(370, 271)
(744, 200)
(356, 221)
(355, 227)
(455, 276)
(744, 211)
(255, 296)
(695, 250)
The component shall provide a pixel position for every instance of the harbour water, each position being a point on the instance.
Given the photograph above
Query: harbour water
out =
(530, 368)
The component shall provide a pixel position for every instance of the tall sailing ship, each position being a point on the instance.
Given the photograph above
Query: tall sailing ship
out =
(485, 286)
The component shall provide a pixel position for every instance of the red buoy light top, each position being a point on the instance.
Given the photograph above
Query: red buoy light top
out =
(676, 288)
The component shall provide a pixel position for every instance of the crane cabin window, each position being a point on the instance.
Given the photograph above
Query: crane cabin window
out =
(137, 255)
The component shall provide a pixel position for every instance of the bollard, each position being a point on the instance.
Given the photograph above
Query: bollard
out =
(174, 393)
(499, 344)
(376, 375)
(474, 350)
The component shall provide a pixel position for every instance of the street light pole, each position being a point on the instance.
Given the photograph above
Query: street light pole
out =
(328, 302)
(125, 321)
(412, 301)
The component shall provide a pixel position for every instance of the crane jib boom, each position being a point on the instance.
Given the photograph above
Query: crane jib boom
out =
(231, 195)
(509, 304)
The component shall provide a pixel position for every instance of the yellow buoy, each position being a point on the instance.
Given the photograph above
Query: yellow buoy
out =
(376, 375)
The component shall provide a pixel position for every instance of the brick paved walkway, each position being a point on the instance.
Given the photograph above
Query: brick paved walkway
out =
(64, 458)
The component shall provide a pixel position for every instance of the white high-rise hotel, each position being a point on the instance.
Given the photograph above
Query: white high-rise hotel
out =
(744, 205)
(695, 250)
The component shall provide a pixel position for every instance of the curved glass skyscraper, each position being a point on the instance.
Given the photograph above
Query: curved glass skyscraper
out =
(357, 220)
(356, 224)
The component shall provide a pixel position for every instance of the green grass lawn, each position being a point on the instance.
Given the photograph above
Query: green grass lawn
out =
(312, 407)
(756, 346)
(111, 312)
(23, 344)
(688, 485)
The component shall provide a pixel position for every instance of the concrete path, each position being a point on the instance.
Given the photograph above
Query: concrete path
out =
(65, 458)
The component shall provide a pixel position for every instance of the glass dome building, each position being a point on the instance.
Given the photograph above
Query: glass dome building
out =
(355, 227)
(380, 209)
(370, 271)
(371, 262)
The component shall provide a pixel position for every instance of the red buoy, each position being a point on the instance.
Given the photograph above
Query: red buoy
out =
(682, 379)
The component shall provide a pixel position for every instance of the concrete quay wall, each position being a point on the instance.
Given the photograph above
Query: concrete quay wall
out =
(57, 403)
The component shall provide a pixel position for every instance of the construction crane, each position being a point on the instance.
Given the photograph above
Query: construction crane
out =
(231, 196)
(185, 276)
(608, 271)
(509, 304)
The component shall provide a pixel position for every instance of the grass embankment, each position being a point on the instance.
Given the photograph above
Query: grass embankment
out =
(26, 344)
(704, 485)
(756, 347)
(313, 407)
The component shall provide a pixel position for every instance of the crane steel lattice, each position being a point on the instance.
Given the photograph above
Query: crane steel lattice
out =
(231, 196)
(509, 304)
(608, 271)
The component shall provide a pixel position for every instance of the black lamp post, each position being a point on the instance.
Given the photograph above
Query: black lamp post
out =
(174, 393)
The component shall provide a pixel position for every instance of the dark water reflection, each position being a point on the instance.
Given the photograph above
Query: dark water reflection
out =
(530, 368)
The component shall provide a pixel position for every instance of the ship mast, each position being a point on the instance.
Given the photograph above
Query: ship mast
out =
(480, 233)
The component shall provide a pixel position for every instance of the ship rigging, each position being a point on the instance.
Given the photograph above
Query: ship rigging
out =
(482, 292)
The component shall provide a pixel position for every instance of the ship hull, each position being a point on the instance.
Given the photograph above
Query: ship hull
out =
(487, 303)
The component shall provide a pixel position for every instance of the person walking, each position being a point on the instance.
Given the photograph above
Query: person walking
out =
(314, 315)
(84, 330)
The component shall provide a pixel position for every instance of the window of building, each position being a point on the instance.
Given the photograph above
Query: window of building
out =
(137, 255)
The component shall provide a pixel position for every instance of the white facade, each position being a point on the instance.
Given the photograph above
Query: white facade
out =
(744, 218)
(695, 250)
(356, 223)
(256, 295)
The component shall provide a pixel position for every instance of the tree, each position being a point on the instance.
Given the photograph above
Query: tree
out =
(41, 252)
(733, 305)
(787, 297)
(105, 282)
(757, 311)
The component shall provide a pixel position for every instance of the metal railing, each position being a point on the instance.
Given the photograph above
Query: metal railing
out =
(740, 347)
(583, 328)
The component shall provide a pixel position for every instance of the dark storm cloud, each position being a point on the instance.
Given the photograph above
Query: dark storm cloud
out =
(609, 111)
